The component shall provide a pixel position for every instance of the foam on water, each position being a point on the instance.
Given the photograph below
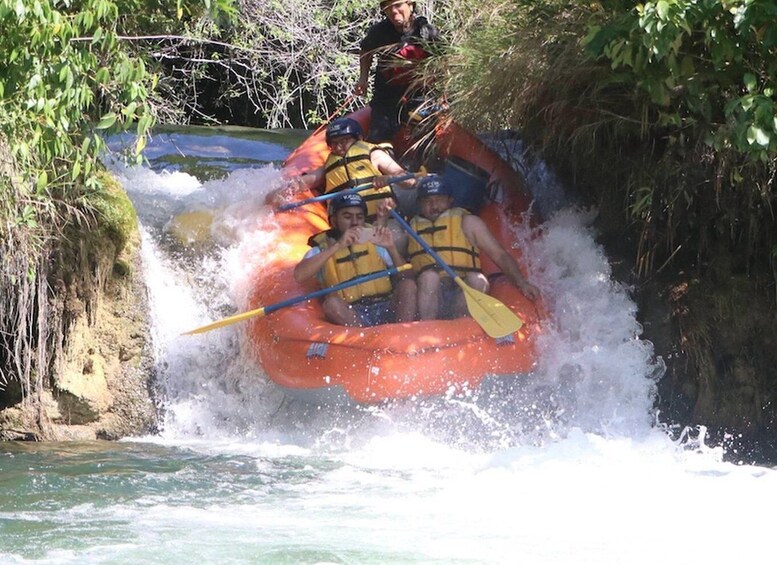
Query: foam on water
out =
(594, 373)
(561, 466)
(565, 465)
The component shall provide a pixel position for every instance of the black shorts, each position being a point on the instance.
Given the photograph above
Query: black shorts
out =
(374, 312)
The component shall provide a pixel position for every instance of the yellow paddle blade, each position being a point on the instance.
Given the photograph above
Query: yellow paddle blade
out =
(226, 321)
(496, 319)
(192, 227)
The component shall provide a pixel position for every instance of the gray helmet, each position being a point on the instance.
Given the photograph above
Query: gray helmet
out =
(432, 185)
(343, 126)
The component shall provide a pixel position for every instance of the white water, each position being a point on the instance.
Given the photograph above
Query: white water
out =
(567, 467)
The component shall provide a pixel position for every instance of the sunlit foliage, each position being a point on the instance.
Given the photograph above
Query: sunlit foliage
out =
(68, 79)
(663, 109)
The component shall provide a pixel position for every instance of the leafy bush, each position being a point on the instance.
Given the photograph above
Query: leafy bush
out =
(708, 64)
(664, 110)
(68, 78)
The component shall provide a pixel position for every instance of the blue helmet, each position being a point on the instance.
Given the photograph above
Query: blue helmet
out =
(432, 185)
(347, 200)
(343, 126)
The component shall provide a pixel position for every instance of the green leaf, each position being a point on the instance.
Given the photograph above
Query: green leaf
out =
(757, 135)
(76, 170)
(107, 121)
(663, 9)
(593, 32)
(42, 182)
(85, 146)
(129, 111)
(140, 144)
(102, 76)
(751, 83)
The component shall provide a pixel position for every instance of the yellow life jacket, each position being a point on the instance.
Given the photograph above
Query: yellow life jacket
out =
(355, 261)
(446, 237)
(354, 169)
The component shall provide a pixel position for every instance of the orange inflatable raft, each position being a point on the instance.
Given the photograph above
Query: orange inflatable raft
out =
(301, 351)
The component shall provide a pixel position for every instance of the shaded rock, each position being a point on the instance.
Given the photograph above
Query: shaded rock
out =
(717, 339)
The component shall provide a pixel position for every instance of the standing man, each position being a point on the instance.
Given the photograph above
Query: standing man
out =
(399, 41)
(341, 254)
(458, 237)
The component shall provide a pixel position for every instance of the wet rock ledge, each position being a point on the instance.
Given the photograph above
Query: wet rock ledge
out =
(100, 384)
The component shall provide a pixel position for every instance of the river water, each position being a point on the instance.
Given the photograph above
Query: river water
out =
(568, 465)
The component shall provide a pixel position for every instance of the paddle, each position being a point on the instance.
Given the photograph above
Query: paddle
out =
(329, 118)
(496, 319)
(359, 188)
(291, 301)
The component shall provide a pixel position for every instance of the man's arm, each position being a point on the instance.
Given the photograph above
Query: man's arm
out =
(295, 185)
(308, 180)
(480, 236)
(365, 63)
(389, 167)
(311, 265)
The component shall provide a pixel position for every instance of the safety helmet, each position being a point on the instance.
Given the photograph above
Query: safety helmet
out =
(341, 127)
(432, 185)
(347, 200)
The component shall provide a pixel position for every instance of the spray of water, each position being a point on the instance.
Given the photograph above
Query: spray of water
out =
(594, 372)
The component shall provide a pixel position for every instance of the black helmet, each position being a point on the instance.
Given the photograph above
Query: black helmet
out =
(343, 126)
(347, 200)
(432, 185)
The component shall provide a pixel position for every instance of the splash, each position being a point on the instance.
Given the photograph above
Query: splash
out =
(594, 374)
(591, 355)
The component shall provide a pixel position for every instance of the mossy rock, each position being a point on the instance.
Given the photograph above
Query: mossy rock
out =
(122, 269)
(115, 214)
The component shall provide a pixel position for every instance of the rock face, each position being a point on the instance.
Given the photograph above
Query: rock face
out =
(99, 345)
(105, 381)
(717, 338)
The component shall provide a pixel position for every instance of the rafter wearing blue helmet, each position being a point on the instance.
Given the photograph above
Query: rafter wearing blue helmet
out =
(459, 238)
(340, 254)
(351, 163)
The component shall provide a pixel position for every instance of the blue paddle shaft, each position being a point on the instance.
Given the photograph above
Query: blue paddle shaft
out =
(423, 244)
(340, 286)
(327, 196)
